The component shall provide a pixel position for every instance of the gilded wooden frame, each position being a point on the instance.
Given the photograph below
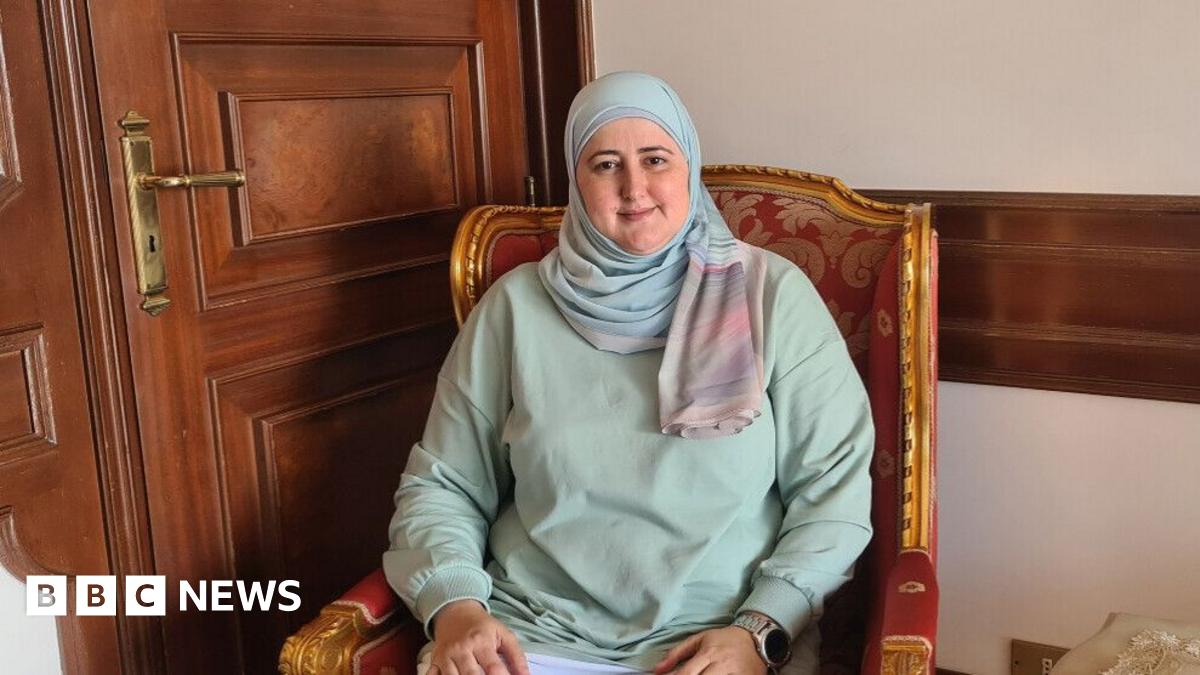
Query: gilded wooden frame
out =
(477, 232)
(329, 643)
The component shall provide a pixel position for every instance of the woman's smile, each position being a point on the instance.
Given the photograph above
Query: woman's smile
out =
(637, 215)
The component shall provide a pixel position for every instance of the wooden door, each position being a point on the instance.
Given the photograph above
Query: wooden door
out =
(279, 392)
(51, 518)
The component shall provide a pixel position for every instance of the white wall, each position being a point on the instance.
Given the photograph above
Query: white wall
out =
(1061, 96)
(1057, 508)
(28, 644)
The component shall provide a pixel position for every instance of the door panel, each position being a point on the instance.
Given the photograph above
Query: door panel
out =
(356, 148)
(312, 449)
(279, 393)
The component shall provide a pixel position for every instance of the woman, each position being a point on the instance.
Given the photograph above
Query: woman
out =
(656, 434)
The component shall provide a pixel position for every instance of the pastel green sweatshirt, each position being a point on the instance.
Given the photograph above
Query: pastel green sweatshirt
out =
(544, 488)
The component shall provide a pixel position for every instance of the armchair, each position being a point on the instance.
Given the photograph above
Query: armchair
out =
(875, 265)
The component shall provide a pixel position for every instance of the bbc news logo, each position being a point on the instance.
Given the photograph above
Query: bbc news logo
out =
(146, 595)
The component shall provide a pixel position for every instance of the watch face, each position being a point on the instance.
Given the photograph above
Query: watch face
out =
(775, 643)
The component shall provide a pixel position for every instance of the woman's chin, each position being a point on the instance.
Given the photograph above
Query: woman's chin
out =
(645, 242)
(642, 247)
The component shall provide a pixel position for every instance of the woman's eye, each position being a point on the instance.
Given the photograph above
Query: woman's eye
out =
(656, 161)
(606, 165)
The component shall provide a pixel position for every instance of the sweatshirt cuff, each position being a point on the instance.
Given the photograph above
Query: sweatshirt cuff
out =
(448, 585)
(787, 605)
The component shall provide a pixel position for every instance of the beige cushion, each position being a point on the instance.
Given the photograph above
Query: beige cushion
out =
(1128, 644)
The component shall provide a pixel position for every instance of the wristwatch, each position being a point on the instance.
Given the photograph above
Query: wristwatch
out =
(774, 645)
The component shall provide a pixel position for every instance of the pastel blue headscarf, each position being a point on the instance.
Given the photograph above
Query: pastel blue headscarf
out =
(699, 296)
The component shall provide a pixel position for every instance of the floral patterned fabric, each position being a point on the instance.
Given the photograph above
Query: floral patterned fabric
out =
(842, 257)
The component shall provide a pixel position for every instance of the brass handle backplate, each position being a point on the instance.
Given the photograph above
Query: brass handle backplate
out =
(137, 155)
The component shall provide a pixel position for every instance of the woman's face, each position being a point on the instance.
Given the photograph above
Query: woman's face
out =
(634, 181)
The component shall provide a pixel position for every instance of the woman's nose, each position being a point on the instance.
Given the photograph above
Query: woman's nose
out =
(633, 185)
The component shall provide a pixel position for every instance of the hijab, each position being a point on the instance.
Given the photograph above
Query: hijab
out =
(699, 297)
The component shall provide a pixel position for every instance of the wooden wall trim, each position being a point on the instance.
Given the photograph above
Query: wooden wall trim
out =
(98, 291)
(556, 62)
(1070, 292)
(586, 36)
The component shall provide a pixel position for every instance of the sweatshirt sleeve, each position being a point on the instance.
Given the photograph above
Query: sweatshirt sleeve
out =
(824, 443)
(456, 478)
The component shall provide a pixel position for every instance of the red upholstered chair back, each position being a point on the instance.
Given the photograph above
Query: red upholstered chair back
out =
(875, 266)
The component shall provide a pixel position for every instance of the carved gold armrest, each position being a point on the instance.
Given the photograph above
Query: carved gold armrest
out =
(906, 655)
(330, 643)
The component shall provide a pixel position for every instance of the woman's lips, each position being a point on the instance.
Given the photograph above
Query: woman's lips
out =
(636, 215)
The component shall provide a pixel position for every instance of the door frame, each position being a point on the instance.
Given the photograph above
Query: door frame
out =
(99, 279)
(108, 375)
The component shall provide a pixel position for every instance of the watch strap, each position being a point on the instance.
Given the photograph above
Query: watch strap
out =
(759, 626)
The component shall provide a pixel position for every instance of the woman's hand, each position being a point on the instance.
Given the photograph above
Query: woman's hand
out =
(715, 652)
(469, 641)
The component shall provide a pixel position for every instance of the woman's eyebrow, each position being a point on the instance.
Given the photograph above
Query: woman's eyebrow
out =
(651, 148)
(597, 153)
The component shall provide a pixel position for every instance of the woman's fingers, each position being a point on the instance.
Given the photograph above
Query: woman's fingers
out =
(478, 650)
(695, 665)
(510, 649)
(491, 664)
(679, 652)
(467, 665)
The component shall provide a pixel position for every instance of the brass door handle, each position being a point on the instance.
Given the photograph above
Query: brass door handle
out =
(140, 184)
(219, 179)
